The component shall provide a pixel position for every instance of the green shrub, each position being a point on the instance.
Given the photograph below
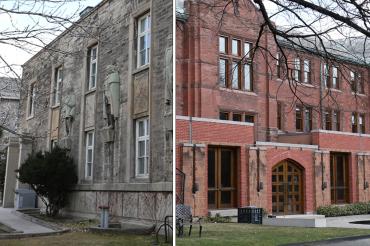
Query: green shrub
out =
(218, 219)
(51, 175)
(344, 210)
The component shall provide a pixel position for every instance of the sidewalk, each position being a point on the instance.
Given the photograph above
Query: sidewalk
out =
(344, 221)
(19, 224)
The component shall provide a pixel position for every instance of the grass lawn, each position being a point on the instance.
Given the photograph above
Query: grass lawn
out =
(247, 234)
(81, 239)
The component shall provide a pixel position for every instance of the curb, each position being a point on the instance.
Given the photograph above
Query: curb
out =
(334, 240)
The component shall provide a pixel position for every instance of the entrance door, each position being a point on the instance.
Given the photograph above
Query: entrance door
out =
(221, 178)
(339, 177)
(287, 190)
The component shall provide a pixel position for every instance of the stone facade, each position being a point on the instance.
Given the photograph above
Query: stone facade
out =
(260, 146)
(9, 103)
(123, 94)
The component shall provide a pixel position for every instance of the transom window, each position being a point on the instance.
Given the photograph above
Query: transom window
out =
(93, 67)
(235, 67)
(57, 86)
(142, 147)
(143, 39)
(237, 116)
(89, 154)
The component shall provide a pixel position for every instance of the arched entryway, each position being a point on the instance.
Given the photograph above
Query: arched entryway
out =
(287, 188)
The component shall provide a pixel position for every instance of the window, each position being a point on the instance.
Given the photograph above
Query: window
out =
(247, 78)
(224, 116)
(297, 70)
(279, 116)
(223, 72)
(361, 123)
(298, 119)
(326, 76)
(237, 117)
(336, 121)
(303, 119)
(307, 119)
(354, 122)
(236, 76)
(339, 178)
(307, 71)
(335, 78)
(249, 118)
(357, 84)
(247, 50)
(235, 47)
(143, 39)
(142, 147)
(235, 70)
(279, 64)
(57, 86)
(93, 65)
(54, 143)
(31, 100)
(327, 120)
(223, 45)
(89, 154)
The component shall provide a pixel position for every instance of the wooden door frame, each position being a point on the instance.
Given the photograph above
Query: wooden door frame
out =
(235, 167)
(301, 183)
(346, 158)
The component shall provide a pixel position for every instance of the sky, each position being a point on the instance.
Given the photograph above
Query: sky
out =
(17, 56)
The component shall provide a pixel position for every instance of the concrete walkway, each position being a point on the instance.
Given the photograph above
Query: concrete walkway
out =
(344, 221)
(8, 218)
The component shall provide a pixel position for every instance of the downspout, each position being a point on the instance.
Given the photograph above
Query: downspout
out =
(268, 137)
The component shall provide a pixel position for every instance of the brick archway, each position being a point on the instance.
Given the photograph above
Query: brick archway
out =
(287, 196)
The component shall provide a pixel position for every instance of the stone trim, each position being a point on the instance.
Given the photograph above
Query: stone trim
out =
(341, 133)
(196, 145)
(197, 119)
(363, 154)
(276, 144)
(127, 187)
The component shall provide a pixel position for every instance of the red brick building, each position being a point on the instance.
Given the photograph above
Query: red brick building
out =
(242, 136)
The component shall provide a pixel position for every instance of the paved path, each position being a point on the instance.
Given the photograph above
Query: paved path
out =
(19, 224)
(358, 242)
(344, 221)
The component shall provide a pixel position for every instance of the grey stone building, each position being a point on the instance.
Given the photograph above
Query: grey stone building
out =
(103, 89)
(9, 104)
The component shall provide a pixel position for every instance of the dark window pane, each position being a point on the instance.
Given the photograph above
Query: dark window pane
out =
(237, 117)
(224, 116)
(249, 118)
(226, 197)
(211, 197)
(226, 169)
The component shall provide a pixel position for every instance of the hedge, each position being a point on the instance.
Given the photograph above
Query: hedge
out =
(344, 210)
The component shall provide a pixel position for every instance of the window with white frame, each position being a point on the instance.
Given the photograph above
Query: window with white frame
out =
(57, 86)
(93, 67)
(89, 142)
(143, 39)
(326, 75)
(142, 147)
(31, 100)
